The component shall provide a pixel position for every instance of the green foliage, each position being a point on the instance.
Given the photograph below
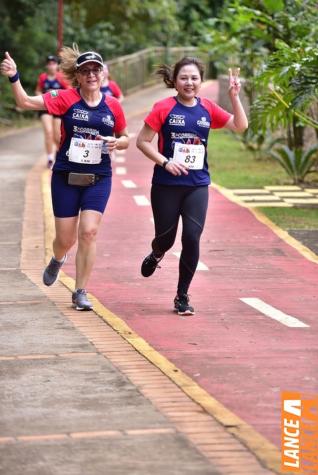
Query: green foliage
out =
(293, 69)
(27, 32)
(140, 24)
(258, 142)
(112, 27)
(275, 44)
(297, 162)
(288, 87)
(98, 37)
(267, 114)
(246, 31)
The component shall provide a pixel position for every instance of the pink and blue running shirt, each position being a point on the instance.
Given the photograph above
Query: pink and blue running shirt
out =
(112, 89)
(177, 123)
(82, 121)
(45, 84)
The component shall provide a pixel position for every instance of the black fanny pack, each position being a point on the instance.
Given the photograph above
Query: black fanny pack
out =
(81, 179)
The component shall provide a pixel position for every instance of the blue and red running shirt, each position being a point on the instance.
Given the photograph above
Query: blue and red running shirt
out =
(45, 84)
(112, 89)
(175, 122)
(82, 121)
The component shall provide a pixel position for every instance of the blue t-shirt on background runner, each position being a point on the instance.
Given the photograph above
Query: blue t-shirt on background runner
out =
(46, 84)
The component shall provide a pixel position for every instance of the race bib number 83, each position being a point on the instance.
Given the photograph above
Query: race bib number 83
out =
(85, 151)
(191, 156)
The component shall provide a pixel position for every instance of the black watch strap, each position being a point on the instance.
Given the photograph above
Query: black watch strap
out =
(165, 163)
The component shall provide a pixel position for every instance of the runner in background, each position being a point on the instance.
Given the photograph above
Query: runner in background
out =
(50, 80)
(93, 125)
(181, 176)
(109, 87)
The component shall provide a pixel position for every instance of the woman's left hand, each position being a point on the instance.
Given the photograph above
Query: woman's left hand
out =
(111, 142)
(234, 82)
(8, 66)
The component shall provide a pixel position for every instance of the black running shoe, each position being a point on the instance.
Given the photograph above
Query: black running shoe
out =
(149, 265)
(182, 305)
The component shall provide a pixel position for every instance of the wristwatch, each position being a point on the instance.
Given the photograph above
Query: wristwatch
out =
(165, 163)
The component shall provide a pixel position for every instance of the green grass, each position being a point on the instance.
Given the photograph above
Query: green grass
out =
(234, 167)
(293, 218)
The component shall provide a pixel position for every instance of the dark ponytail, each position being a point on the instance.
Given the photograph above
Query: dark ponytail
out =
(169, 73)
(166, 73)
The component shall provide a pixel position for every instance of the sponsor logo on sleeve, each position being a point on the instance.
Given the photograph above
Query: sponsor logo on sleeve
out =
(54, 93)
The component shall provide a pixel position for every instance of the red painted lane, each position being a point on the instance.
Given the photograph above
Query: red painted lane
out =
(234, 352)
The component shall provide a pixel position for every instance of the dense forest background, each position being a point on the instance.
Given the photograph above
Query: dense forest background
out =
(273, 41)
(112, 27)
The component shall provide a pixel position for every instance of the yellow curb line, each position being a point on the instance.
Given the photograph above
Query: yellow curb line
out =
(265, 451)
(303, 250)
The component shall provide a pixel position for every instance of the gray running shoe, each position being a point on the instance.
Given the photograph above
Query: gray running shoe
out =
(51, 272)
(80, 300)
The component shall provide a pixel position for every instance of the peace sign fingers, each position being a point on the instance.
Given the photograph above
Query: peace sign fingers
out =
(237, 72)
(234, 82)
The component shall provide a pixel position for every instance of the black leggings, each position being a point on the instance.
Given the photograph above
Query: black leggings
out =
(168, 204)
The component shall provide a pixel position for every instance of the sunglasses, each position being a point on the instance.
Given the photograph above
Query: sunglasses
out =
(87, 71)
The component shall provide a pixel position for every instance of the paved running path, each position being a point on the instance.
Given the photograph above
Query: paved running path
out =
(64, 408)
(236, 353)
(75, 397)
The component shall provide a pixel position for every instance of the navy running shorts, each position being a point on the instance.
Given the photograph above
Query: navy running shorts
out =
(69, 200)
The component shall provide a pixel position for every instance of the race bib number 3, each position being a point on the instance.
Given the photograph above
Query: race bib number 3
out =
(191, 156)
(85, 151)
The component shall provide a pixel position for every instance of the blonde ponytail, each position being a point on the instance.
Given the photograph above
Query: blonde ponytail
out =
(68, 62)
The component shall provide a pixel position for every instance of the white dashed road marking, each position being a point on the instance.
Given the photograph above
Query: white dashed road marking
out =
(141, 200)
(200, 265)
(274, 313)
(119, 159)
(121, 170)
(129, 184)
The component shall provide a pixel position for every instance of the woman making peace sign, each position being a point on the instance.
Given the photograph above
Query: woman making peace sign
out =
(181, 176)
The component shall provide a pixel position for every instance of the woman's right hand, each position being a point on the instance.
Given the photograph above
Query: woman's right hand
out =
(8, 66)
(176, 168)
